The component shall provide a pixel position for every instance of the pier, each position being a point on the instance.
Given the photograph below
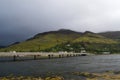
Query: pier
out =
(22, 56)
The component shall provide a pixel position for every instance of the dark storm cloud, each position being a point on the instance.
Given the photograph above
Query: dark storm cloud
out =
(21, 19)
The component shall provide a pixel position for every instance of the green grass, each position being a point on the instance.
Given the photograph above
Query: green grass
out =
(41, 43)
(31, 78)
(57, 41)
(95, 40)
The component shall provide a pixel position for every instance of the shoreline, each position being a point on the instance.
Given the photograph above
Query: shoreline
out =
(108, 75)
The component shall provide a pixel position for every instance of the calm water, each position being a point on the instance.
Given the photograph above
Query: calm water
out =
(99, 63)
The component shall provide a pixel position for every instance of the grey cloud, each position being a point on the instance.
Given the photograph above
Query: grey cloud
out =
(20, 19)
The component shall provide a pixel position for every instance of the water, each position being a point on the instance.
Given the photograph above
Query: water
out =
(99, 63)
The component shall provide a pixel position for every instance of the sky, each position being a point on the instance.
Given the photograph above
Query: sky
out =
(22, 19)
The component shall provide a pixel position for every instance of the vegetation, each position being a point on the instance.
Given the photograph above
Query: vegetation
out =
(31, 78)
(69, 47)
(41, 43)
(111, 34)
(108, 75)
(66, 40)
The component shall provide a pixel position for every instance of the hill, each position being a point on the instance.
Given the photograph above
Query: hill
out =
(57, 40)
(44, 40)
(90, 41)
(111, 34)
(90, 37)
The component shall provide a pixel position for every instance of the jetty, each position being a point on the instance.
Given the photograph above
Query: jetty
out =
(18, 56)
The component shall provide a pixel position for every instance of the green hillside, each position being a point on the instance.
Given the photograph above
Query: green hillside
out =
(92, 42)
(57, 40)
(94, 38)
(111, 34)
(43, 41)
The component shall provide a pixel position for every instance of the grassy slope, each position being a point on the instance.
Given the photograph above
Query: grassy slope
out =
(111, 34)
(94, 38)
(42, 42)
(51, 39)
(91, 42)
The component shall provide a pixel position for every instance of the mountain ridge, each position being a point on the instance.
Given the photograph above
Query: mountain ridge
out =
(47, 40)
(111, 34)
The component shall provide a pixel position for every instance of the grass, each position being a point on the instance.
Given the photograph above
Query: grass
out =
(41, 43)
(95, 40)
(51, 40)
(109, 75)
(31, 78)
